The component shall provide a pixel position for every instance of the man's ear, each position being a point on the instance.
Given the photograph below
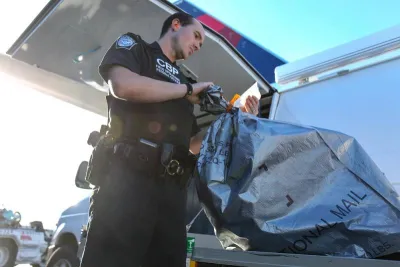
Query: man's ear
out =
(175, 25)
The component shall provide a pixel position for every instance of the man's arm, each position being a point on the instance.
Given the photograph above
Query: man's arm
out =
(122, 68)
(131, 86)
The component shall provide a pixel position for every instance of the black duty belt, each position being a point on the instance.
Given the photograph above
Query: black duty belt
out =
(161, 159)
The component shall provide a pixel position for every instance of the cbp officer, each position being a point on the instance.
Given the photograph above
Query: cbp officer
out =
(137, 211)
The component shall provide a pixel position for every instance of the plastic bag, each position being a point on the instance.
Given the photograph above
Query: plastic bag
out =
(279, 187)
(212, 101)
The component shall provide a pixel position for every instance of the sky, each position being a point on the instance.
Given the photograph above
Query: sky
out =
(294, 29)
(46, 139)
(43, 143)
(43, 138)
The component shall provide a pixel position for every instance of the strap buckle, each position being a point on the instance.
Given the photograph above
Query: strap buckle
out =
(174, 168)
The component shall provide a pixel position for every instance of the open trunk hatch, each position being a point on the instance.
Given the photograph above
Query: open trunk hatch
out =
(69, 39)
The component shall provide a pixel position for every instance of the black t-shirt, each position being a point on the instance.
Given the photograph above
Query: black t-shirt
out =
(171, 121)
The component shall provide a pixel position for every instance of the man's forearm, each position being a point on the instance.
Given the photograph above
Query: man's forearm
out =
(195, 142)
(130, 86)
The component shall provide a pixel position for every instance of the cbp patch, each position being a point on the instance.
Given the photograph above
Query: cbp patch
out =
(167, 70)
(126, 42)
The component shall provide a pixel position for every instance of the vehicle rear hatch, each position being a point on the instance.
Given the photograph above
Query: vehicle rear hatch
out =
(67, 40)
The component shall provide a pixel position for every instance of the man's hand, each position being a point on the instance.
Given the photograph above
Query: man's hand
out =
(195, 142)
(197, 89)
(251, 106)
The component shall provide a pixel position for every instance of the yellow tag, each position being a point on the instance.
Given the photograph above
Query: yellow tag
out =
(190, 263)
(234, 98)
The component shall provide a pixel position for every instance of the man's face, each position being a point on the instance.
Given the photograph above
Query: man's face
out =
(187, 39)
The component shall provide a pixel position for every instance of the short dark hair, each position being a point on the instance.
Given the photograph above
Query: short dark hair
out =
(184, 18)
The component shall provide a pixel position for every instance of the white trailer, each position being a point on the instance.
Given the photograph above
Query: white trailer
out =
(352, 88)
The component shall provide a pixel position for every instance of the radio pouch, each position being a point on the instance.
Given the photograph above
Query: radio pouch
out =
(99, 160)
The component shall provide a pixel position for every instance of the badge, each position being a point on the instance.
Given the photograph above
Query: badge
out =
(125, 41)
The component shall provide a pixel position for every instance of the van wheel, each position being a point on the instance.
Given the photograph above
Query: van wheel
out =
(8, 253)
(63, 257)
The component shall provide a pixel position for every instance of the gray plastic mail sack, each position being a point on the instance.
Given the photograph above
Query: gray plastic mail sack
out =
(212, 100)
(279, 187)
